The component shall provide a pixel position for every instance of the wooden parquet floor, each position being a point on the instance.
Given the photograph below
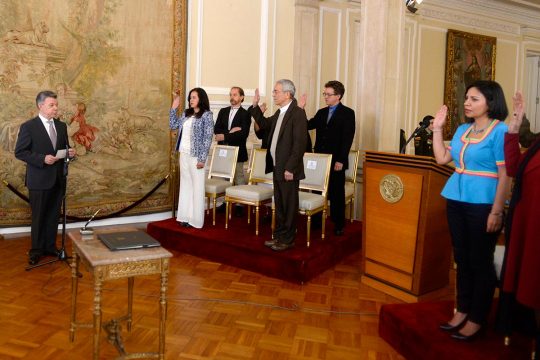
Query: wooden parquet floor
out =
(214, 312)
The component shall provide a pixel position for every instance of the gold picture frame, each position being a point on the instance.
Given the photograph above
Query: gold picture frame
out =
(114, 65)
(469, 57)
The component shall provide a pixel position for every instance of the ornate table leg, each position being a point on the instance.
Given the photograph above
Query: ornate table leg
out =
(74, 288)
(163, 307)
(130, 302)
(98, 282)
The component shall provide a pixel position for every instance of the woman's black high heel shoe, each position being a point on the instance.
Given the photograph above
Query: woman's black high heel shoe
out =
(447, 327)
(461, 337)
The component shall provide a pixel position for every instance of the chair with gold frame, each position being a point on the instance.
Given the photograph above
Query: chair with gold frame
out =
(250, 160)
(350, 181)
(317, 171)
(251, 194)
(220, 175)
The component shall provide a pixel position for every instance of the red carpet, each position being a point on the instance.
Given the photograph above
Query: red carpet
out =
(413, 331)
(239, 246)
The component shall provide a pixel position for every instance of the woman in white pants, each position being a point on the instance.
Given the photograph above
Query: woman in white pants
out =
(195, 131)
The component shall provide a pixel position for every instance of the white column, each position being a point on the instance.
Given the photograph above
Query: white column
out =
(379, 77)
(306, 36)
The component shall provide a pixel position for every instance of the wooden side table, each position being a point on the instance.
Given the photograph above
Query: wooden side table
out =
(105, 265)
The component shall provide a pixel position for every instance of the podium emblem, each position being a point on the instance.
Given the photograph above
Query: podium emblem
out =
(391, 188)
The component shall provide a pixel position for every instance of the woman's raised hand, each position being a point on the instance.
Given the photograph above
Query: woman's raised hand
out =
(519, 112)
(176, 100)
(440, 118)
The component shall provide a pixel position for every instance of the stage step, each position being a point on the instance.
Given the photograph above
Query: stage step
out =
(413, 331)
(239, 246)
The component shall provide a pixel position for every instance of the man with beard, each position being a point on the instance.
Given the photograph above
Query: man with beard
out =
(232, 128)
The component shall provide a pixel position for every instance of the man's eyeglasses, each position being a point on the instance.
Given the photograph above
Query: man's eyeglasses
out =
(327, 94)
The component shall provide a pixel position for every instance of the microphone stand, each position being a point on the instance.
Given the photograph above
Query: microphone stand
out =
(62, 255)
(413, 135)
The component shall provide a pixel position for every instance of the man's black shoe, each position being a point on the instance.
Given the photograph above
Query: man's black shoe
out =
(282, 247)
(221, 208)
(33, 259)
(270, 243)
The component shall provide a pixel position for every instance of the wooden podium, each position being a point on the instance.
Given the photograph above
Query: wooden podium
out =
(406, 246)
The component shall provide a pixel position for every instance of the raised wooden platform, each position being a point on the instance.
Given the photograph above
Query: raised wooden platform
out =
(240, 247)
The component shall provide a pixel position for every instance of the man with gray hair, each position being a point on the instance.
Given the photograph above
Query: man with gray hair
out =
(287, 138)
(37, 144)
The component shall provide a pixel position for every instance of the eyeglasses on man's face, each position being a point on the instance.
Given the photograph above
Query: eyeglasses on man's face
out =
(325, 94)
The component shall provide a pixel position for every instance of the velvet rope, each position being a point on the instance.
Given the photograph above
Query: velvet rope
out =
(116, 213)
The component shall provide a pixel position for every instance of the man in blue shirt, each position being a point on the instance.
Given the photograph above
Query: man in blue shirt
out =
(334, 128)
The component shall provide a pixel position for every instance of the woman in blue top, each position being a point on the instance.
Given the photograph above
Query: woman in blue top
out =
(475, 195)
(195, 131)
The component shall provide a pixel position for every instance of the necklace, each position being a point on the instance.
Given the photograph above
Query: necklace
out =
(476, 131)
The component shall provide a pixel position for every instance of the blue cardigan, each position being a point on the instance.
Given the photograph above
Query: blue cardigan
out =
(202, 132)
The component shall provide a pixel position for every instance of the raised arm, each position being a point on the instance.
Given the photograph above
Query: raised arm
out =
(174, 119)
(442, 155)
(517, 116)
(262, 122)
(512, 153)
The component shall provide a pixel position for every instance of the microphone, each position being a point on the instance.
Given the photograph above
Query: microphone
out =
(426, 122)
(86, 230)
(422, 126)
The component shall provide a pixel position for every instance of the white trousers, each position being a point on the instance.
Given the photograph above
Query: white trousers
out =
(191, 195)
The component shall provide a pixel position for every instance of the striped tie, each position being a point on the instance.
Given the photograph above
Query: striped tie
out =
(52, 133)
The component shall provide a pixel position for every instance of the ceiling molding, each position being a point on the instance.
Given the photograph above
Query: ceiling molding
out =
(498, 15)
(471, 20)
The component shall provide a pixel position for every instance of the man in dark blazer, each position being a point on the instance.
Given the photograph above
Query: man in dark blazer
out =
(232, 128)
(287, 137)
(37, 144)
(334, 130)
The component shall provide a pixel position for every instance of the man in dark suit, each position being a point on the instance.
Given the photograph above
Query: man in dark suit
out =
(334, 129)
(232, 128)
(37, 144)
(287, 137)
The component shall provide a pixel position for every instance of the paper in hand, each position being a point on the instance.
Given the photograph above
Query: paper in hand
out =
(61, 154)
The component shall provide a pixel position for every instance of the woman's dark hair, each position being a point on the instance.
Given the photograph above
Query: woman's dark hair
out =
(495, 100)
(204, 103)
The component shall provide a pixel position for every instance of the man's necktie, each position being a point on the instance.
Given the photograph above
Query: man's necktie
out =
(330, 112)
(52, 133)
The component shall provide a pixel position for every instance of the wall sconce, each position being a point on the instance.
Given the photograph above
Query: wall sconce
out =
(411, 5)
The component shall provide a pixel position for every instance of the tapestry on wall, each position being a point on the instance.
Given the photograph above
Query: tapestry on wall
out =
(469, 57)
(113, 64)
